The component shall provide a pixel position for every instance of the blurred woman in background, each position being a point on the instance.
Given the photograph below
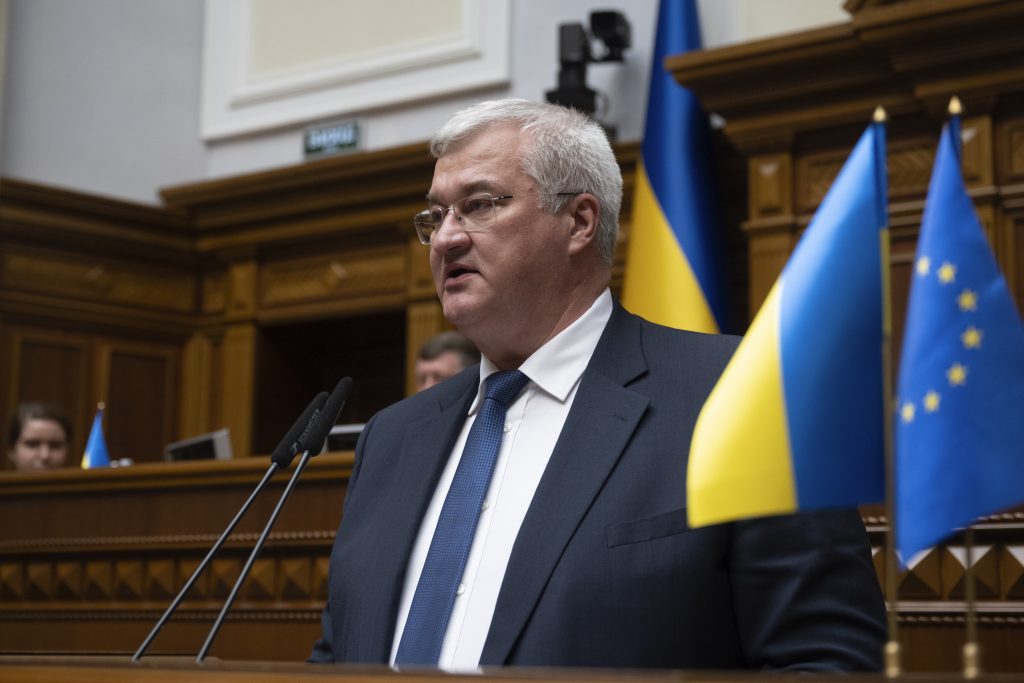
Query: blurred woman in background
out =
(38, 438)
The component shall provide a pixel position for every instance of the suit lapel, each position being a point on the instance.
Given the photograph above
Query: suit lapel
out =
(424, 452)
(604, 415)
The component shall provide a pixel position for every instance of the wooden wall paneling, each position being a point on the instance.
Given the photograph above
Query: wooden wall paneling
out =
(977, 160)
(1014, 268)
(141, 415)
(424, 317)
(332, 282)
(52, 367)
(90, 277)
(241, 289)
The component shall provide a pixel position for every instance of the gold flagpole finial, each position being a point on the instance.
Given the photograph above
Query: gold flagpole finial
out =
(955, 108)
(879, 116)
(101, 406)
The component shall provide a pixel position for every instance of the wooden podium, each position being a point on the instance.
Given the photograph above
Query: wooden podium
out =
(90, 559)
(25, 669)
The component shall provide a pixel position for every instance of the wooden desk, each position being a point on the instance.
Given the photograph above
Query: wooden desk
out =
(119, 670)
(90, 559)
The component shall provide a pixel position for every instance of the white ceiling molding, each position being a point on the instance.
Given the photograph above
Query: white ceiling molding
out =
(237, 99)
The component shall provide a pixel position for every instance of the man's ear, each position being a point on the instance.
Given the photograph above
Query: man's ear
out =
(585, 211)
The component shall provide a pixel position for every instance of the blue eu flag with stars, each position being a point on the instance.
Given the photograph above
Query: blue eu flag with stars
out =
(960, 410)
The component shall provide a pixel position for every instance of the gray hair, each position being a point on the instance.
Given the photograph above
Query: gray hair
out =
(570, 153)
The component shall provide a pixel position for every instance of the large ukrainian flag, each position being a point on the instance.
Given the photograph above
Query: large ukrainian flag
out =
(795, 421)
(672, 266)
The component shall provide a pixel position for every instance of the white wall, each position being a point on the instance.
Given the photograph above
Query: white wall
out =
(3, 69)
(103, 96)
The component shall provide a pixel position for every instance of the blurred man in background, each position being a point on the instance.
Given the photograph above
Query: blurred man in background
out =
(442, 356)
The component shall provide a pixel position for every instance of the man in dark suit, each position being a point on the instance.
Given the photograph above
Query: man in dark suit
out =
(580, 555)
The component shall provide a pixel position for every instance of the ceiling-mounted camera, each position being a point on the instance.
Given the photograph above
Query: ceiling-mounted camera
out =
(609, 28)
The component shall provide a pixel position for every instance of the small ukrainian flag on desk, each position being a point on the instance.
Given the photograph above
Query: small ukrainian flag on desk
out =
(96, 454)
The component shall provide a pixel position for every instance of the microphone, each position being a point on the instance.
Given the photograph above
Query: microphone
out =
(309, 443)
(281, 458)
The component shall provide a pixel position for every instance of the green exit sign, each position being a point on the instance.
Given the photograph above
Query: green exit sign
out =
(331, 139)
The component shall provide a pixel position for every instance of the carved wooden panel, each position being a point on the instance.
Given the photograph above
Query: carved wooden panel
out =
(771, 185)
(69, 276)
(89, 559)
(241, 289)
(909, 166)
(48, 366)
(976, 151)
(214, 299)
(770, 246)
(420, 282)
(332, 276)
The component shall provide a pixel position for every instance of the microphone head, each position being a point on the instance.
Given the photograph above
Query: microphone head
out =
(313, 438)
(284, 452)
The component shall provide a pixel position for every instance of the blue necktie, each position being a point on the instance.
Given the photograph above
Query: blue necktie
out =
(446, 560)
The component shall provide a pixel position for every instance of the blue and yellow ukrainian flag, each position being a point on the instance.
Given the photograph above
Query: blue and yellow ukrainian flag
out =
(96, 454)
(672, 266)
(959, 429)
(795, 421)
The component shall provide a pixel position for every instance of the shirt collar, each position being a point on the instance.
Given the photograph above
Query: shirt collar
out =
(557, 366)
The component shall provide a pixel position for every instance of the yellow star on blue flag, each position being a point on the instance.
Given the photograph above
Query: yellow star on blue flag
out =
(959, 456)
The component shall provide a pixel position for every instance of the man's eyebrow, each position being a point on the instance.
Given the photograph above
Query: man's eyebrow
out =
(466, 190)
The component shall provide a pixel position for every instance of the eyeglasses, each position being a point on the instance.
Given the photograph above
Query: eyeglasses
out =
(474, 213)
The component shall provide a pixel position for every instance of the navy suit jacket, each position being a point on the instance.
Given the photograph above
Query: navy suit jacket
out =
(605, 571)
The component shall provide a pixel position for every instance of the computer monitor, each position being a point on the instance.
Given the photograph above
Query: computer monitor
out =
(213, 446)
(343, 437)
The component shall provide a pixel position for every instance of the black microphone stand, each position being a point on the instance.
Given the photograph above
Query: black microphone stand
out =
(310, 443)
(252, 559)
(283, 455)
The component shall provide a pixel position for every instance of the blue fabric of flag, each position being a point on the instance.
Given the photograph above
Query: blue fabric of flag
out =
(831, 332)
(960, 430)
(96, 454)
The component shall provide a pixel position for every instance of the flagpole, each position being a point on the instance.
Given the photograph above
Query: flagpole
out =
(892, 647)
(971, 650)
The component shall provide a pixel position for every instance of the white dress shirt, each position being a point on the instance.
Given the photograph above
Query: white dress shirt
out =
(532, 426)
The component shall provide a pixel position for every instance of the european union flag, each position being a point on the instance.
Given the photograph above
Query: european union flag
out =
(959, 433)
(96, 454)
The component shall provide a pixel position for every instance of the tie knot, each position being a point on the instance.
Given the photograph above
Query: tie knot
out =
(505, 386)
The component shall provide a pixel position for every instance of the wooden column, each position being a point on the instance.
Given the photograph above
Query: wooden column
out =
(772, 228)
(238, 355)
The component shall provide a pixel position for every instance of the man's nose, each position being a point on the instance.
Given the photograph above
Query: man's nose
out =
(449, 232)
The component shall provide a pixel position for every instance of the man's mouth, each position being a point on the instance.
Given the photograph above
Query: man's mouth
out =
(457, 272)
